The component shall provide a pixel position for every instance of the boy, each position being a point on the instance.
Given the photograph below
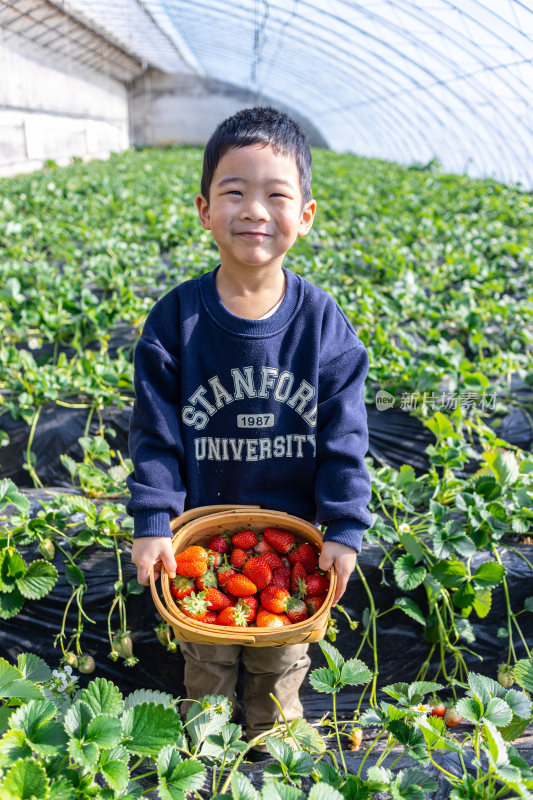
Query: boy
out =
(249, 388)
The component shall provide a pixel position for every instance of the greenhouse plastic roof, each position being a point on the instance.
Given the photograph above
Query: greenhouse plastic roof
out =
(393, 79)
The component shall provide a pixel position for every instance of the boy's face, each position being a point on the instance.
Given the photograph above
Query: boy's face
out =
(255, 208)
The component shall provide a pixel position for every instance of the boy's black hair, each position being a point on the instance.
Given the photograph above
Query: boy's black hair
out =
(259, 125)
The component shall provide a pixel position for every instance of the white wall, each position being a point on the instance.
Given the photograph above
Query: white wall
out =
(51, 109)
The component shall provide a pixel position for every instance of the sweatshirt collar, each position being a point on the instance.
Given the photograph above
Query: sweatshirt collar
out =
(240, 326)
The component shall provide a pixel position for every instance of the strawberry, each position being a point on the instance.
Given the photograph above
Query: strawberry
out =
(214, 558)
(225, 571)
(245, 539)
(250, 604)
(313, 585)
(216, 600)
(238, 558)
(233, 616)
(219, 542)
(195, 606)
(274, 599)
(206, 580)
(281, 540)
(265, 619)
(452, 717)
(357, 737)
(181, 587)
(210, 617)
(505, 676)
(263, 546)
(240, 586)
(437, 709)
(298, 572)
(296, 609)
(272, 559)
(314, 604)
(192, 562)
(304, 555)
(258, 571)
(281, 577)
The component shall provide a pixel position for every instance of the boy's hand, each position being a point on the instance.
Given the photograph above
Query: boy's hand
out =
(343, 558)
(153, 551)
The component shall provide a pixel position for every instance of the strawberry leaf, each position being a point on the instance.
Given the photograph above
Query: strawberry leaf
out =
(406, 575)
(39, 580)
(177, 777)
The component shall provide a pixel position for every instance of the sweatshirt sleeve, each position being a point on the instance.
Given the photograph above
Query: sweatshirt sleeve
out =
(157, 490)
(342, 486)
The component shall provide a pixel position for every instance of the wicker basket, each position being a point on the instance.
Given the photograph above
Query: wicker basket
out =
(196, 527)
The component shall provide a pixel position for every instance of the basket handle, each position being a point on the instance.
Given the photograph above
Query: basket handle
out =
(158, 604)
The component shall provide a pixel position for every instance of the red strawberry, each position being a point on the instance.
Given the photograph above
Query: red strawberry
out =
(272, 559)
(225, 571)
(210, 617)
(214, 558)
(452, 717)
(298, 572)
(265, 619)
(274, 599)
(258, 571)
(305, 555)
(192, 562)
(245, 539)
(238, 558)
(314, 604)
(313, 585)
(181, 587)
(195, 606)
(206, 580)
(240, 586)
(233, 616)
(216, 600)
(250, 603)
(438, 709)
(281, 577)
(282, 541)
(220, 543)
(296, 609)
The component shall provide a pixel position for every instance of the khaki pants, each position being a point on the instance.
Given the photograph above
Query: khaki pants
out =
(213, 669)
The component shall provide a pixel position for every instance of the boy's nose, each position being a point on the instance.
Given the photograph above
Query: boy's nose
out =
(254, 209)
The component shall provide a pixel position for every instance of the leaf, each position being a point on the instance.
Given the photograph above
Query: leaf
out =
(25, 780)
(279, 750)
(242, 788)
(202, 723)
(333, 657)
(482, 602)
(489, 574)
(323, 791)
(103, 697)
(464, 596)
(498, 712)
(62, 789)
(177, 777)
(12, 684)
(410, 608)
(307, 736)
(496, 744)
(150, 727)
(134, 587)
(354, 672)
(84, 753)
(148, 696)
(528, 603)
(470, 708)
(523, 673)
(116, 773)
(39, 580)
(519, 703)
(416, 777)
(104, 730)
(301, 763)
(515, 729)
(480, 687)
(34, 720)
(10, 604)
(450, 574)
(504, 464)
(406, 575)
(412, 546)
(74, 576)
(422, 687)
(9, 494)
(323, 680)
(380, 776)
(12, 747)
(272, 790)
(33, 667)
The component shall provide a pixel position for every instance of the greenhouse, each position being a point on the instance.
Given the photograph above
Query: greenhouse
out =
(266, 399)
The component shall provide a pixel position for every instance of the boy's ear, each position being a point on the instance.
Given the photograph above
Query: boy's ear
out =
(202, 207)
(307, 217)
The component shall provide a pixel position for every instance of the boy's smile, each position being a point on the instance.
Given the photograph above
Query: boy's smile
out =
(255, 208)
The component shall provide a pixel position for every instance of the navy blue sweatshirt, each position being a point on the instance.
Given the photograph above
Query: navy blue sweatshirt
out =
(231, 410)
